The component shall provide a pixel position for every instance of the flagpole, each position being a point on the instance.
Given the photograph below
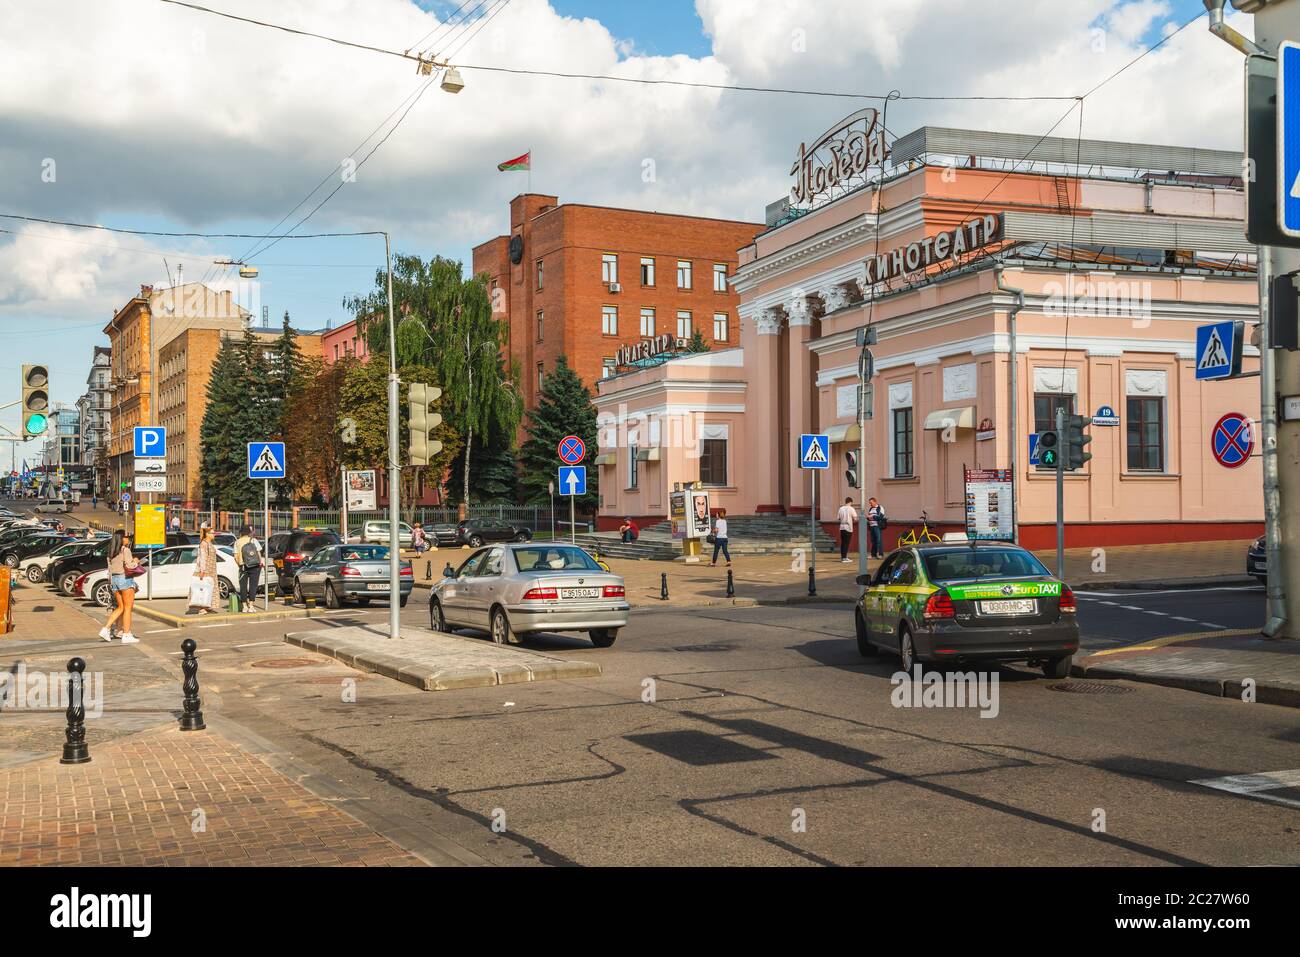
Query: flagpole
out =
(530, 169)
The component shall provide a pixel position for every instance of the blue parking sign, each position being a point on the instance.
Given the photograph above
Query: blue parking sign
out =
(150, 442)
(1288, 138)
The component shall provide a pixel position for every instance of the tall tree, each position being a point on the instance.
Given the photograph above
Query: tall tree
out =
(314, 428)
(565, 408)
(288, 371)
(224, 453)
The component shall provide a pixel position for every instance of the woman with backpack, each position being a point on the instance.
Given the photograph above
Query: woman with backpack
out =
(120, 563)
(248, 552)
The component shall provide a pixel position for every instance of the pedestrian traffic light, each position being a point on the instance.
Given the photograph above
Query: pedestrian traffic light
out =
(423, 421)
(1075, 440)
(36, 401)
(1284, 312)
(851, 473)
(1049, 450)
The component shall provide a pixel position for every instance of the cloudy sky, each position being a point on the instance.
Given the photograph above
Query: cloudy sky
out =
(148, 115)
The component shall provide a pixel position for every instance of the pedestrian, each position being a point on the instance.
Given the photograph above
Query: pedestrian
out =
(176, 522)
(848, 516)
(629, 531)
(876, 524)
(248, 551)
(205, 569)
(120, 562)
(418, 539)
(94, 500)
(720, 538)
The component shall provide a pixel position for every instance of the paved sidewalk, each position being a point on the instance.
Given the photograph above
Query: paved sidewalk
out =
(1226, 664)
(438, 662)
(778, 579)
(163, 798)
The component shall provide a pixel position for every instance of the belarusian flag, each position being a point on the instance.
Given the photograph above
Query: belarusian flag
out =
(519, 162)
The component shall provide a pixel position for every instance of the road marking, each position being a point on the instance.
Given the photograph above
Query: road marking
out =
(1256, 785)
(1166, 591)
(254, 644)
(1152, 643)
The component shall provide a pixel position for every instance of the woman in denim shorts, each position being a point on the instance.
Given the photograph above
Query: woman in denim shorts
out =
(120, 561)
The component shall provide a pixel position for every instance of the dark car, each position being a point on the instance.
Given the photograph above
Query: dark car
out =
(288, 550)
(1257, 561)
(11, 555)
(339, 573)
(479, 531)
(63, 572)
(442, 535)
(940, 602)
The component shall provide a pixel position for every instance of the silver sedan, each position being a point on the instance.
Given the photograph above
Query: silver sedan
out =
(512, 590)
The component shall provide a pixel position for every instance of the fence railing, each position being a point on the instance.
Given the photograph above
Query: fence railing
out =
(538, 518)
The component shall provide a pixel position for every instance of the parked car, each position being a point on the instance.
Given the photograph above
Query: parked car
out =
(339, 573)
(1257, 561)
(288, 550)
(170, 572)
(376, 532)
(481, 531)
(63, 572)
(942, 602)
(227, 539)
(512, 590)
(34, 566)
(12, 555)
(442, 535)
(54, 505)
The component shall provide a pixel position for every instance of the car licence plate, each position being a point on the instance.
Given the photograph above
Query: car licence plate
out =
(1017, 606)
(579, 592)
(377, 586)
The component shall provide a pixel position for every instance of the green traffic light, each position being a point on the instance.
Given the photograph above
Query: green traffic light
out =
(1048, 457)
(36, 423)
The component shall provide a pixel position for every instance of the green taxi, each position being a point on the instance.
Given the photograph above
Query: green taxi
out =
(961, 602)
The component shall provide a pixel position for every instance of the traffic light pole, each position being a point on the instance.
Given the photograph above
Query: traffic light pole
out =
(394, 469)
(1060, 496)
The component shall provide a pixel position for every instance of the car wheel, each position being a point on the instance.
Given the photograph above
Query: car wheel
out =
(363, 601)
(224, 588)
(437, 620)
(297, 594)
(1058, 667)
(401, 602)
(602, 637)
(35, 573)
(906, 649)
(331, 596)
(522, 537)
(67, 581)
(865, 648)
(103, 595)
(502, 634)
(11, 560)
(475, 541)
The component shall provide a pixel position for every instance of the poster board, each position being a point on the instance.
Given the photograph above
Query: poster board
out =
(989, 504)
(361, 491)
(698, 520)
(150, 526)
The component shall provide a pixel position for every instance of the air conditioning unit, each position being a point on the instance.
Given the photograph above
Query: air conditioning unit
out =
(615, 287)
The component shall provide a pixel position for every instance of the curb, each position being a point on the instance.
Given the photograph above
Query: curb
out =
(182, 621)
(1282, 695)
(1166, 583)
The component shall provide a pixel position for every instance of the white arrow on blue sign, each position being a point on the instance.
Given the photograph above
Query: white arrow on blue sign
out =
(266, 460)
(1288, 138)
(1218, 349)
(814, 451)
(573, 480)
(150, 442)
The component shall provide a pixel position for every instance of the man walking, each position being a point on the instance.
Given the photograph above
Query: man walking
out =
(248, 551)
(848, 516)
(876, 523)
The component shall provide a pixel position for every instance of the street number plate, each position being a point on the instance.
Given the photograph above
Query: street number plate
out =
(1018, 606)
(377, 586)
(579, 592)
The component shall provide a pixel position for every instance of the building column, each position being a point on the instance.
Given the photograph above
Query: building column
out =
(763, 397)
(802, 395)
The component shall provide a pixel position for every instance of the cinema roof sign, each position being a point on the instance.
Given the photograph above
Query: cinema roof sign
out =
(940, 248)
(839, 159)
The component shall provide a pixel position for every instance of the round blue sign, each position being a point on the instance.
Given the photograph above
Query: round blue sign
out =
(1232, 440)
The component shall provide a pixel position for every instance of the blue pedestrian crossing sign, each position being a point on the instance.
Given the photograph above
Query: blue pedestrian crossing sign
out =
(150, 442)
(1288, 138)
(573, 480)
(814, 451)
(266, 460)
(1218, 349)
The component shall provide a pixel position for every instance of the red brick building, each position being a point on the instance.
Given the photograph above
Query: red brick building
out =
(582, 281)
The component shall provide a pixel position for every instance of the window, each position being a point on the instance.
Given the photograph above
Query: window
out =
(541, 275)
(683, 274)
(632, 466)
(608, 268)
(1146, 433)
(902, 444)
(541, 314)
(683, 325)
(648, 323)
(609, 320)
(713, 462)
(720, 326)
(541, 376)
(608, 367)
(1045, 406)
(647, 271)
(719, 277)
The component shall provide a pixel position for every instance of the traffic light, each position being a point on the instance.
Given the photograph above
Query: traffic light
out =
(423, 422)
(1075, 440)
(1049, 450)
(851, 473)
(36, 401)
(1284, 312)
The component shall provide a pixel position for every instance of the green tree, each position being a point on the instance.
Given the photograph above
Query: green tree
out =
(697, 343)
(565, 409)
(313, 427)
(224, 455)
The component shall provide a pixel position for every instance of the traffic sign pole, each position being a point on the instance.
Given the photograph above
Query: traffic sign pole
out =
(1060, 499)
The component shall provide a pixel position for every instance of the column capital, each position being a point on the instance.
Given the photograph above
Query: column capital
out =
(768, 322)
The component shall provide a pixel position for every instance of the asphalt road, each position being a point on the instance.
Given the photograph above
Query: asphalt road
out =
(759, 736)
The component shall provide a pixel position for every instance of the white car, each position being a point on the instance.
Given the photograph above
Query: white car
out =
(54, 505)
(34, 567)
(171, 571)
(376, 533)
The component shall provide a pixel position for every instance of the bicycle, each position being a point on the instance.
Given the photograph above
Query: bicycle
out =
(925, 535)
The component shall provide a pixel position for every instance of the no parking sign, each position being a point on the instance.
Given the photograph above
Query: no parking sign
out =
(1232, 440)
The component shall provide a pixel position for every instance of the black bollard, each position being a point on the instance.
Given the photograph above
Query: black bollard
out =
(812, 580)
(428, 568)
(731, 585)
(75, 750)
(663, 586)
(192, 717)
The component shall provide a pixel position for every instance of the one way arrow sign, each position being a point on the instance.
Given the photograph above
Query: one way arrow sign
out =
(573, 480)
